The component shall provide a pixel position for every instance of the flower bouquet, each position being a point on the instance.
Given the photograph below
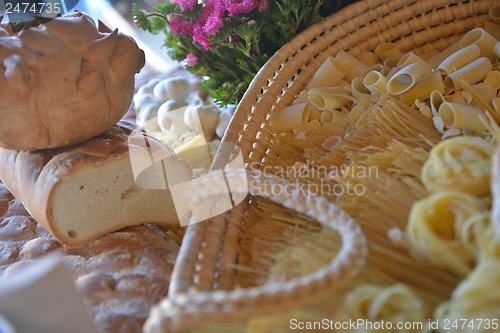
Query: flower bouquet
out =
(228, 41)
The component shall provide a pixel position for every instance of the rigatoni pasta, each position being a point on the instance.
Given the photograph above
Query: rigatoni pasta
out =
(483, 40)
(471, 73)
(459, 116)
(368, 58)
(328, 98)
(329, 74)
(460, 58)
(289, 118)
(405, 78)
(387, 50)
(354, 66)
(423, 89)
(411, 58)
(376, 82)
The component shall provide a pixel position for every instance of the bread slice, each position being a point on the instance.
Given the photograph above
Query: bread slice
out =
(84, 191)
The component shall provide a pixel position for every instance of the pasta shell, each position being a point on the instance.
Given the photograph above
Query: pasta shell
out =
(493, 79)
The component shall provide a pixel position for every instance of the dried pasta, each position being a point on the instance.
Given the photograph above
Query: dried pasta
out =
(475, 303)
(368, 58)
(387, 50)
(375, 82)
(471, 73)
(289, 117)
(459, 115)
(405, 78)
(423, 89)
(328, 98)
(483, 40)
(493, 80)
(354, 66)
(329, 74)
(440, 230)
(373, 304)
(460, 163)
(411, 58)
(460, 58)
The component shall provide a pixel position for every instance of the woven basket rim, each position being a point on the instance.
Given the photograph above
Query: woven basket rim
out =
(355, 28)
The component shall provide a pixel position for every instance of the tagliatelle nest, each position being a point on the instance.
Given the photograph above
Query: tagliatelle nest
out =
(63, 81)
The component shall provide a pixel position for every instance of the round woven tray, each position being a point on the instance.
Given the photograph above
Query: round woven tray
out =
(202, 284)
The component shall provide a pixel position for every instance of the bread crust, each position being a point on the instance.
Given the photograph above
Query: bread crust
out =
(64, 82)
(36, 177)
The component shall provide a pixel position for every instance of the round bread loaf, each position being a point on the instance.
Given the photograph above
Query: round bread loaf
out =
(121, 275)
(63, 81)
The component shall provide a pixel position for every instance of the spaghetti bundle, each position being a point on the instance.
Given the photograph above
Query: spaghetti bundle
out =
(441, 230)
(372, 305)
(461, 163)
(475, 303)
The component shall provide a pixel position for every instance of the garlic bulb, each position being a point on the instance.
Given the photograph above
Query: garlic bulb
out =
(144, 90)
(148, 112)
(171, 118)
(224, 118)
(176, 88)
(202, 118)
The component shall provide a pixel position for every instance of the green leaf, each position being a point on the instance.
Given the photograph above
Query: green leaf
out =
(157, 24)
(167, 8)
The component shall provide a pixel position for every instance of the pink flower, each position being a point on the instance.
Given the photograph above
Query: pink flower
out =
(212, 14)
(209, 23)
(262, 5)
(235, 7)
(185, 4)
(191, 60)
(181, 26)
(199, 35)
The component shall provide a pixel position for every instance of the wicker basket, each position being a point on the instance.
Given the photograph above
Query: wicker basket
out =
(201, 288)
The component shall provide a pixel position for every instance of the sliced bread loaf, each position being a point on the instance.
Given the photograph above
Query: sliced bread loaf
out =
(81, 192)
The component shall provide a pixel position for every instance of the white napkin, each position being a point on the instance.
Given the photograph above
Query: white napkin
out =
(42, 298)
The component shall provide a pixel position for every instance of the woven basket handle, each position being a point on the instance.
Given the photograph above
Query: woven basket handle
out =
(187, 309)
